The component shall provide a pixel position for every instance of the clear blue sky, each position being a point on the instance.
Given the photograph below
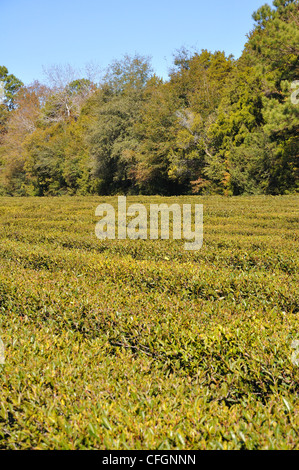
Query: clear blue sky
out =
(37, 33)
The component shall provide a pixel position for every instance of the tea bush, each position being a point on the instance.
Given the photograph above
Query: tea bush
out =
(139, 344)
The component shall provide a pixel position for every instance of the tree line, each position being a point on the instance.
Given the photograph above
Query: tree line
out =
(217, 125)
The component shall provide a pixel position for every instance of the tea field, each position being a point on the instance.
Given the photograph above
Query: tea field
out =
(139, 344)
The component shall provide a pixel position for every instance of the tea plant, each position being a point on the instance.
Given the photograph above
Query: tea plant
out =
(139, 344)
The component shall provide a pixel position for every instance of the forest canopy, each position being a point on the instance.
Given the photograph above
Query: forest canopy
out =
(217, 125)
